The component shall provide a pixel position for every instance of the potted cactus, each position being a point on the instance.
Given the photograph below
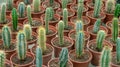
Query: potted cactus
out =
(21, 57)
(61, 41)
(117, 11)
(62, 61)
(95, 46)
(27, 2)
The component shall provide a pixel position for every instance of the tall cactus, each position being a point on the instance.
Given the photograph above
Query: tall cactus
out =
(61, 32)
(6, 36)
(42, 39)
(14, 19)
(97, 8)
(115, 29)
(21, 45)
(2, 59)
(105, 57)
(28, 31)
(9, 4)
(97, 26)
(21, 10)
(63, 58)
(29, 14)
(27, 2)
(51, 13)
(51, 2)
(79, 26)
(118, 50)
(3, 13)
(117, 11)
(36, 5)
(38, 57)
(100, 38)
(64, 3)
(65, 17)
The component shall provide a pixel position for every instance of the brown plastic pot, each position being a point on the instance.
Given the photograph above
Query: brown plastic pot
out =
(80, 64)
(96, 54)
(56, 60)
(93, 35)
(23, 65)
(35, 66)
(8, 22)
(57, 49)
(7, 62)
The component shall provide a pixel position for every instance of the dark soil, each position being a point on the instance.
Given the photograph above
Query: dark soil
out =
(12, 47)
(69, 27)
(33, 38)
(7, 21)
(50, 32)
(36, 23)
(75, 7)
(54, 19)
(109, 39)
(56, 5)
(19, 28)
(7, 65)
(114, 60)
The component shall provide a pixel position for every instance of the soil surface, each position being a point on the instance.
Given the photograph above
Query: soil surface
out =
(56, 5)
(33, 38)
(12, 47)
(36, 23)
(114, 60)
(7, 65)
(69, 27)
(7, 21)
(50, 32)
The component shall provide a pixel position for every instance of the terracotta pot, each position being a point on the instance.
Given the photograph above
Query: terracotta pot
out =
(46, 57)
(56, 60)
(58, 48)
(78, 63)
(93, 20)
(35, 66)
(23, 65)
(8, 22)
(7, 62)
(86, 21)
(96, 54)
(93, 35)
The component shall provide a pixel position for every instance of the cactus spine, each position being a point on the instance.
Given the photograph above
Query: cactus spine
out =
(21, 45)
(96, 26)
(9, 4)
(65, 17)
(64, 3)
(79, 26)
(118, 50)
(14, 19)
(29, 14)
(3, 13)
(115, 29)
(36, 5)
(38, 57)
(117, 11)
(42, 39)
(2, 59)
(63, 58)
(28, 31)
(51, 2)
(105, 57)
(6, 36)
(97, 8)
(21, 10)
(61, 32)
(27, 2)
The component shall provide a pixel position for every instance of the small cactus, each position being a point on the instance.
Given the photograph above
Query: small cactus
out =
(51, 2)
(79, 26)
(97, 8)
(29, 14)
(51, 13)
(80, 10)
(28, 31)
(65, 17)
(115, 29)
(117, 11)
(6, 36)
(21, 10)
(64, 3)
(2, 59)
(27, 2)
(9, 4)
(3, 13)
(105, 57)
(100, 38)
(96, 26)
(36, 5)
(118, 50)
(63, 58)
(61, 32)
(14, 19)
(21, 45)
(38, 57)
(42, 39)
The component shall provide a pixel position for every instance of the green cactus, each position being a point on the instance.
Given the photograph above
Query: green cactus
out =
(97, 8)
(51, 13)
(79, 25)
(42, 39)
(29, 14)
(118, 50)
(97, 26)
(65, 17)
(80, 10)
(63, 58)
(51, 2)
(64, 3)
(61, 32)
(80, 1)
(3, 13)
(21, 45)
(100, 38)
(105, 57)
(38, 57)
(21, 10)
(27, 2)
(28, 31)
(9, 4)
(115, 29)
(2, 59)
(36, 5)
(117, 11)
(14, 19)
(6, 36)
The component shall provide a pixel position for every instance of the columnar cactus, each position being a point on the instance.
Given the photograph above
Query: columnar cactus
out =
(14, 19)
(97, 8)
(61, 32)
(100, 38)
(118, 50)
(36, 5)
(64, 3)
(97, 26)
(6, 37)
(115, 29)
(51, 2)
(79, 26)
(3, 13)
(29, 14)
(117, 11)
(42, 39)
(38, 57)
(27, 2)
(21, 45)
(51, 13)
(2, 59)
(63, 58)
(9, 4)
(105, 57)
(28, 31)
(65, 17)
(21, 10)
